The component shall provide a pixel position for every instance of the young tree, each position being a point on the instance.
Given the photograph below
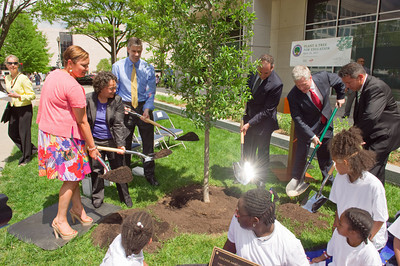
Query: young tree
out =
(210, 66)
(108, 22)
(104, 65)
(28, 44)
(10, 10)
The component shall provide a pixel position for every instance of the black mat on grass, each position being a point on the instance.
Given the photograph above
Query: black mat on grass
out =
(37, 228)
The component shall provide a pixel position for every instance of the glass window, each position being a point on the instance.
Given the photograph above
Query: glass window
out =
(389, 5)
(386, 63)
(321, 34)
(321, 10)
(353, 8)
(363, 39)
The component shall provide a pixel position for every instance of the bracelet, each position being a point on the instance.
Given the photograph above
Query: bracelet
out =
(92, 149)
(325, 255)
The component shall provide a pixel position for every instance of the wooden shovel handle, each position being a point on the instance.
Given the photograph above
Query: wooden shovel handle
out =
(109, 149)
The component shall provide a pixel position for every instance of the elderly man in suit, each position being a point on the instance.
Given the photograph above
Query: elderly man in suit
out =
(310, 109)
(260, 119)
(375, 113)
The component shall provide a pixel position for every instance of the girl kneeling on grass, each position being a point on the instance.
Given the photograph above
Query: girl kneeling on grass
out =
(127, 247)
(354, 186)
(349, 244)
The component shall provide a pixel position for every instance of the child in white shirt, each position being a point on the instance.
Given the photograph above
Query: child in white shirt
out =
(354, 186)
(349, 244)
(127, 248)
(394, 229)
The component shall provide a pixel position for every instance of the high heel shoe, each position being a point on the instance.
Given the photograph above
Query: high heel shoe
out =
(57, 233)
(76, 216)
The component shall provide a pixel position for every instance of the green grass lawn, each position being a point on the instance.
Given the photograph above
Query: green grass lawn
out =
(28, 194)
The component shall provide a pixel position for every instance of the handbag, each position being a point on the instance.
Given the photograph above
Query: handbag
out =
(6, 114)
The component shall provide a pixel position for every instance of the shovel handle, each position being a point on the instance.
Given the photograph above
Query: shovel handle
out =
(109, 149)
(330, 172)
(241, 132)
(147, 120)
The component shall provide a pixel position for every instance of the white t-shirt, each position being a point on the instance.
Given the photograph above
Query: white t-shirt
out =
(394, 228)
(343, 254)
(115, 255)
(366, 193)
(279, 248)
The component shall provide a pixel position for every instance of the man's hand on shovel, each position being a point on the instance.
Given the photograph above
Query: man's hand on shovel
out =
(244, 128)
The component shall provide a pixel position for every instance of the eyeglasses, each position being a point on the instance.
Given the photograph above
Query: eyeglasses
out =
(12, 63)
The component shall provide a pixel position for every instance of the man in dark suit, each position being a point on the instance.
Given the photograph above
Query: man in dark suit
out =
(351, 95)
(310, 109)
(260, 118)
(375, 113)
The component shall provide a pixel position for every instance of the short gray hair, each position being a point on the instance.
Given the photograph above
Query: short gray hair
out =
(11, 56)
(300, 72)
(352, 70)
(133, 41)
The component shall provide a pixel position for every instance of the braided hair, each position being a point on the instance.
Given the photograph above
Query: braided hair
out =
(360, 221)
(258, 203)
(346, 145)
(137, 230)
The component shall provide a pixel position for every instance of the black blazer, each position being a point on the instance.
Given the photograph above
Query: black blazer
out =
(306, 116)
(378, 116)
(261, 109)
(114, 116)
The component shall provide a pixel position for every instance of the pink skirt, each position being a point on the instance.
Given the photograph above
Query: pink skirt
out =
(60, 158)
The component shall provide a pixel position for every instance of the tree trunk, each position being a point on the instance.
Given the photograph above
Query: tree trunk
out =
(206, 192)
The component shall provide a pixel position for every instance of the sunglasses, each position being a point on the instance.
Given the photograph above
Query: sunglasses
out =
(12, 63)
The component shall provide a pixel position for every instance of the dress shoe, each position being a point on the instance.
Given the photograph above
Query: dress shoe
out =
(128, 202)
(153, 181)
(97, 204)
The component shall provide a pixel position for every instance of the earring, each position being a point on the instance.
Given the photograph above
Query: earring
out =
(254, 225)
(70, 70)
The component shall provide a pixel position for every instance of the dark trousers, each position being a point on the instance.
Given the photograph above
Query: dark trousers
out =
(115, 160)
(351, 95)
(382, 148)
(146, 131)
(19, 130)
(324, 158)
(256, 150)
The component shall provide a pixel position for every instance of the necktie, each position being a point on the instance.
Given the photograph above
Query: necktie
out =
(355, 114)
(134, 86)
(317, 103)
(258, 82)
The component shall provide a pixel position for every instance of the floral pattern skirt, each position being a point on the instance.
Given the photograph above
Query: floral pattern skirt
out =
(60, 158)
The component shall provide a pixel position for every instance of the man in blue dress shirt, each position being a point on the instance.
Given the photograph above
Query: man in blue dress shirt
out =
(142, 83)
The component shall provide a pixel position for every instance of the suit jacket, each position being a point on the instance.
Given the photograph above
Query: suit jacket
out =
(114, 116)
(261, 109)
(307, 116)
(378, 116)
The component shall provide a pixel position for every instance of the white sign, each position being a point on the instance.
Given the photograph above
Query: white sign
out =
(322, 52)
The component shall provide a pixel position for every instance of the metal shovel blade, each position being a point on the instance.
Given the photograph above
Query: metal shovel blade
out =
(161, 154)
(190, 136)
(298, 191)
(238, 172)
(314, 202)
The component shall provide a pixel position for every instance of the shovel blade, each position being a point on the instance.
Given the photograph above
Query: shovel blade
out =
(161, 154)
(314, 202)
(238, 172)
(190, 136)
(298, 191)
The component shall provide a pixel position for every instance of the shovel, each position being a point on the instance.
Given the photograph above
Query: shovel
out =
(302, 185)
(316, 200)
(160, 154)
(120, 175)
(190, 136)
(239, 167)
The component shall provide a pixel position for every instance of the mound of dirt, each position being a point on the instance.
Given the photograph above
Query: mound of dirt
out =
(183, 211)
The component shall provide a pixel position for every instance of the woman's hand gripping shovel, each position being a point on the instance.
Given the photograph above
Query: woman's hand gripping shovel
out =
(147, 158)
(302, 186)
(190, 136)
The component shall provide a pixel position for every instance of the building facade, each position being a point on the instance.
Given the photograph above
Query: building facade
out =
(374, 25)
